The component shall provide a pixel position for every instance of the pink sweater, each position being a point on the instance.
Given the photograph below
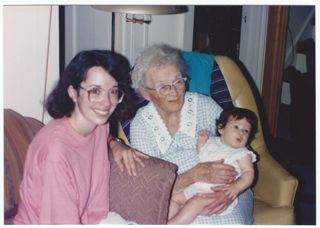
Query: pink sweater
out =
(66, 177)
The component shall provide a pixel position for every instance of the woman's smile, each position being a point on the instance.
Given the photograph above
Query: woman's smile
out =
(102, 112)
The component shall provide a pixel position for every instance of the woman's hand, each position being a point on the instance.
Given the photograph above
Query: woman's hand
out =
(231, 190)
(126, 157)
(210, 172)
(214, 172)
(219, 202)
(189, 210)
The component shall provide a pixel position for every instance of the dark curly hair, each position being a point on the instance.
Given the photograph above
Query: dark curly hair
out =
(59, 104)
(236, 113)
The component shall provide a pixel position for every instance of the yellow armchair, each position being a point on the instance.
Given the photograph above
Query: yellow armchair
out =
(275, 189)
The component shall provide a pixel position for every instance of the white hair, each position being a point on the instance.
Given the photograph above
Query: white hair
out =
(155, 56)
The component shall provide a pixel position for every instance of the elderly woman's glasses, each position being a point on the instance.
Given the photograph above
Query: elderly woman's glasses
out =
(97, 94)
(179, 84)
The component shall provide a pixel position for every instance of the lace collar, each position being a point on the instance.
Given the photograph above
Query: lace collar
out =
(187, 122)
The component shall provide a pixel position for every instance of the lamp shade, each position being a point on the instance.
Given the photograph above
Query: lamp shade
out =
(142, 9)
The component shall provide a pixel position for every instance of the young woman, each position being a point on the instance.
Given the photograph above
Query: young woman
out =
(66, 172)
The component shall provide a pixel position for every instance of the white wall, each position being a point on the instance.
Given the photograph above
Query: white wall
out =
(86, 28)
(89, 28)
(175, 30)
(253, 41)
(25, 42)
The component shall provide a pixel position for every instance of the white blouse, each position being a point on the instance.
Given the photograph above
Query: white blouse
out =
(150, 135)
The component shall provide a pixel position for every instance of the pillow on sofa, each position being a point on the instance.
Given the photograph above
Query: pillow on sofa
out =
(149, 191)
(207, 78)
(199, 68)
(18, 133)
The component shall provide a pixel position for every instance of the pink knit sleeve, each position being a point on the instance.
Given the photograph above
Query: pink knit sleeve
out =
(58, 203)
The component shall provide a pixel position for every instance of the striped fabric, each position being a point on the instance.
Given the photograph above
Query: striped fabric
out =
(218, 90)
(17, 135)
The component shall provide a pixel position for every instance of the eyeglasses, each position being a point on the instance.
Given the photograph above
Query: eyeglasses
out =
(179, 84)
(97, 94)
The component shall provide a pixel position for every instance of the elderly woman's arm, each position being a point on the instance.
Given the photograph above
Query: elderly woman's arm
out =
(212, 172)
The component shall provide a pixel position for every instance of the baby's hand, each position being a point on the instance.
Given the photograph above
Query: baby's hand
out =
(231, 190)
(203, 136)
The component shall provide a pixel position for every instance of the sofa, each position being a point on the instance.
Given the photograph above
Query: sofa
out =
(143, 198)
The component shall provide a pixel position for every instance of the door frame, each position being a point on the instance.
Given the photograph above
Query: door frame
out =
(274, 64)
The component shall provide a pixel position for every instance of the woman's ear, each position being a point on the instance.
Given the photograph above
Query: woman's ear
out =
(72, 93)
(144, 93)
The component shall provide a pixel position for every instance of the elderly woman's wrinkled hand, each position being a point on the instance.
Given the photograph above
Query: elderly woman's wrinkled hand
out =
(126, 157)
(214, 172)
(219, 202)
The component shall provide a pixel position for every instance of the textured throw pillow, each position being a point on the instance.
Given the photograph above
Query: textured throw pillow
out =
(144, 198)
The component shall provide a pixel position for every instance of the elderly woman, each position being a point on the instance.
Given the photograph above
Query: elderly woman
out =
(167, 128)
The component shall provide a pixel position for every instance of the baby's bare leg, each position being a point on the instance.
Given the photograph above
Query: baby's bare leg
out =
(174, 209)
(203, 136)
(190, 210)
(178, 199)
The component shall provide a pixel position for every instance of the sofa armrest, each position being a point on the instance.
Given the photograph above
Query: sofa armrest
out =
(34, 124)
(144, 198)
(275, 185)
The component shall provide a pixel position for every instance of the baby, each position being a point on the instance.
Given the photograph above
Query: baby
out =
(235, 129)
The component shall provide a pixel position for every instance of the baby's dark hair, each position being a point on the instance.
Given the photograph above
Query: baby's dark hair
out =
(237, 114)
